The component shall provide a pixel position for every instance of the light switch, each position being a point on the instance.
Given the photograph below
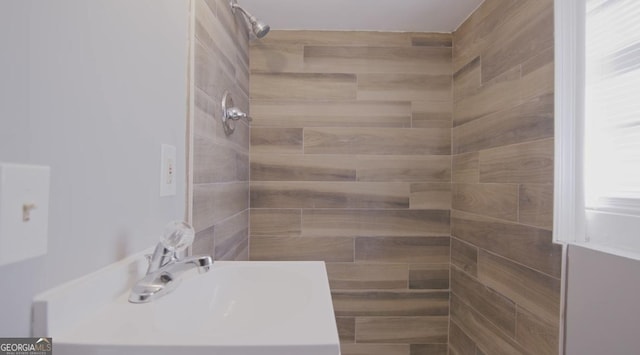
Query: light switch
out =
(168, 170)
(24, 211)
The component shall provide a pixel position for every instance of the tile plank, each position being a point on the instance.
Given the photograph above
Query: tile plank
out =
(410, 87)
(301, 249)
(496, 21)
(536, 291)
(535, 333)
(533, 120)
(298, 167)
(493, 200)
(288, 113)
(345, 276)
(276, 58)
(464, 256)
(297, 194)
(232, 238)
(541, 60)
(213, 203)
(303, 86)
(411, 168)
(428, 349)
(390, 303)
(530, 246)
(428, 39)
(425, 250)
(435, 196)
(467, 80)
(205, 124)
(352, 223)
(519, 163)
(276, 140)
(346, 329)
(482, 332)
(498, 309)
(479, 30)
(213, 162)
(275, 223)
(411, 330)
(465, 167)
(459, 342)
(203, 242)
(538, 75)
(431, 114)
(536, 32)
(374, 349)
(338, 38)
(372, 59)
(232, 30)
(429, 276)
(536, 205)
(501, 93)
(377, 141)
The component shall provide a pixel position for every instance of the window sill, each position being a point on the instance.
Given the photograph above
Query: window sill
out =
(612, 250)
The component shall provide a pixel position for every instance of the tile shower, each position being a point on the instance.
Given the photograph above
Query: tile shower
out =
(418, 166)
(505, 272)
(351, 164)
(220, 162)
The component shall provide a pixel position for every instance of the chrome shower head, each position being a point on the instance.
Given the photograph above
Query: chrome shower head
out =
(259, 28)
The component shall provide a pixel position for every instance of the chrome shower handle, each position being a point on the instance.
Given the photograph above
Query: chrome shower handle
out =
(230, 114)
(235, 114)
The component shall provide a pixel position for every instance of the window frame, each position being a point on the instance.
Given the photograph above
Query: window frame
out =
(570, 223)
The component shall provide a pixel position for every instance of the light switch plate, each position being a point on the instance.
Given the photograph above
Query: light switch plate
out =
(24, 211)
(168, 170)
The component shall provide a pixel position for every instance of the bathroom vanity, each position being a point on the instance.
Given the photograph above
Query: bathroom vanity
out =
(266, 308)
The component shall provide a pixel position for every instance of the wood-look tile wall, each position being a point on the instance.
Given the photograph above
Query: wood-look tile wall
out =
(220, 163)
(351, 164)
(505, 273)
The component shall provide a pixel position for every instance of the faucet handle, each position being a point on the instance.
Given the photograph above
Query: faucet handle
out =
(178, 235)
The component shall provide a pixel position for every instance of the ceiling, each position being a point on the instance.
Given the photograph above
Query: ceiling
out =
(369, 15)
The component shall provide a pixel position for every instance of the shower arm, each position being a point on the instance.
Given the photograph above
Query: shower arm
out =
(235, 6)
(259, 28)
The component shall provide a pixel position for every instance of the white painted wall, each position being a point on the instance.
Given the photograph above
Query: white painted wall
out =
(92, 89)
(363, 15)
(603, 308)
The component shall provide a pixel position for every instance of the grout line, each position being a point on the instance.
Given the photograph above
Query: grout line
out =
(515, 330)
(300, 221)
(518, 202)
(353, 240)
(495, 219)
(519, 264)
(498, 328)
(408, 284)
(475, 278)
(507, 258)
(451, 182)
(519, 143)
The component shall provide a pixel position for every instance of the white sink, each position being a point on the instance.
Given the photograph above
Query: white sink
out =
(242, 308)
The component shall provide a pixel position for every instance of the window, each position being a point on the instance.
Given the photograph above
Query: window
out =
(598, 123)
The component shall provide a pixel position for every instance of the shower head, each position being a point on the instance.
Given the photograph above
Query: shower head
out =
(259, 28)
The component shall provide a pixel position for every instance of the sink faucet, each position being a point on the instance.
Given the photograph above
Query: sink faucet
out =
(166, 266)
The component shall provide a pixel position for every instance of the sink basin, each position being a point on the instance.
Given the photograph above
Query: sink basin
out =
(242, 308)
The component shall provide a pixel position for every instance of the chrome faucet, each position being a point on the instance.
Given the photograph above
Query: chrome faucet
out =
(166, 266)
